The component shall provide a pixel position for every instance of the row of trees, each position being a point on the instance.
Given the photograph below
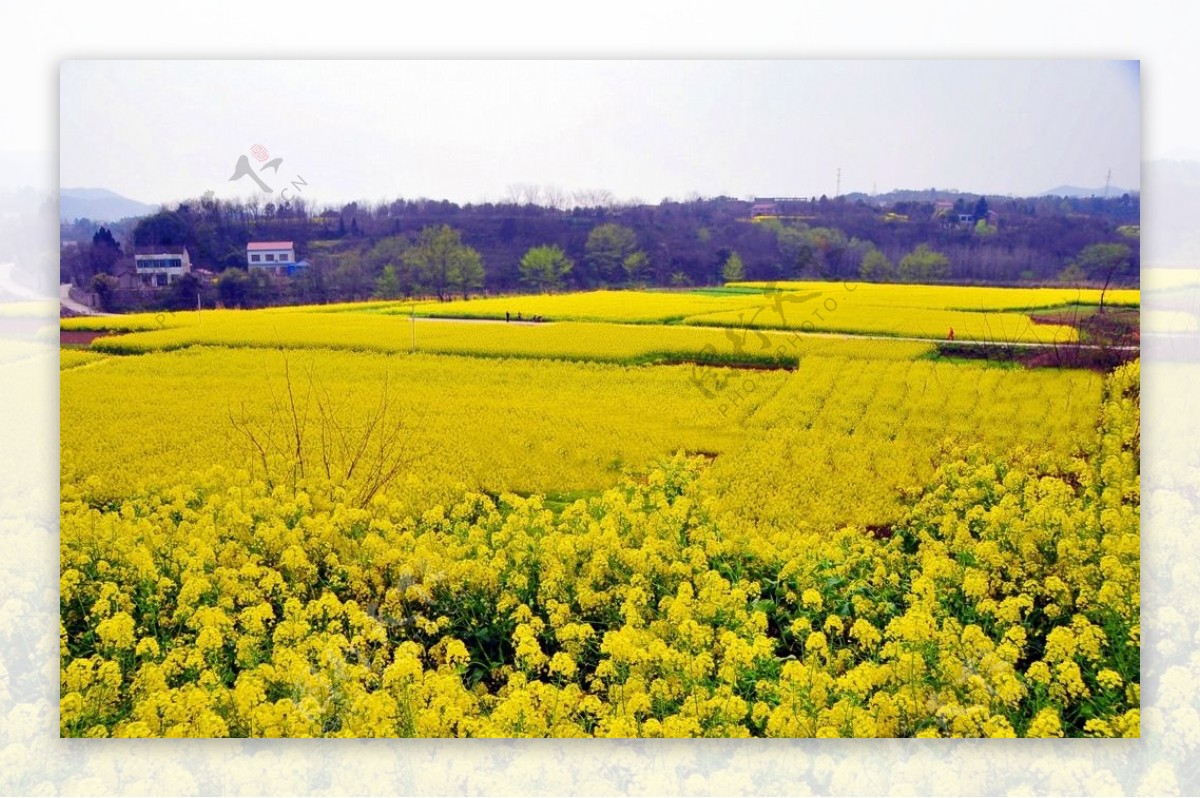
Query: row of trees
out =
(440, 249)
(439, 263)
(1095, 264)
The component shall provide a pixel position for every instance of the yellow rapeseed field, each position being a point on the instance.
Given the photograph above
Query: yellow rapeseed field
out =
(130, 424)
(850, 316)
(953, 297)
(295, 523)
(622, 343)
(919, 311)
(979, 314)
(627, 306)
(1003, 600)
(70, 358)
(842, 440)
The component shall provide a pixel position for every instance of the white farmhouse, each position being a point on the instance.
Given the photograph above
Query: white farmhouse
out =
(158, 267)
(276, 257)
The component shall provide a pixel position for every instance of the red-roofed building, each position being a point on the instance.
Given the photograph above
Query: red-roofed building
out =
(274, 256)
(763, 209)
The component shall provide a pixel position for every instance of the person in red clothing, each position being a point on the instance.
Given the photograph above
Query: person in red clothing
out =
(951, 336)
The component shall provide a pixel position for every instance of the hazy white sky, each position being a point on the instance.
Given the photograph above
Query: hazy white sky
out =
(467, 130)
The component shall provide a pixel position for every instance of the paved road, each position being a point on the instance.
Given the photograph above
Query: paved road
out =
(64, 299)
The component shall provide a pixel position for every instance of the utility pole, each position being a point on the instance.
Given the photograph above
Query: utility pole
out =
(838, 192)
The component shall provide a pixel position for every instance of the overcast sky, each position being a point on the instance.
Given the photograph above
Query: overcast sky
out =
(160, 131)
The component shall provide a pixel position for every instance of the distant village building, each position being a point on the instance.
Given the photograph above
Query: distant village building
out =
(274, 257)
(763, 209)
(158, 267)
(952, 217)
(784, 208)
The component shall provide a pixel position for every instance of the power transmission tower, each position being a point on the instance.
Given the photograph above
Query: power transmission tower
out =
(838, 193)
(1107, 181)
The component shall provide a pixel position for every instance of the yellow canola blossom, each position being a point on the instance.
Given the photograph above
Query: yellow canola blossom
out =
(848, 316)
(842, 440)
(621, 343)
(1003, 600)
(955, 297)
(160, 419)
(72, 358)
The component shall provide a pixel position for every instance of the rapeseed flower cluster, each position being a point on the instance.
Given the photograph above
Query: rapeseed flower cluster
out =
(1002, 600)
(578, 341)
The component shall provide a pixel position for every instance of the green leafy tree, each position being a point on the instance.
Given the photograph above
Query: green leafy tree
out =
(774, 225)
(815, 251)
(637, 266)
(1103, 262)
(828, 244)
(468, 273)
(165, 228)
(105, 252)
(733, 270)
(924, 265)
(184, 292)
(1072, 275)
(387, 284)
(390, 252)
(543, 268)
(105, 286)
(312, 284)
(877, 267)
(234, 288)
(351, 277)
(983, 229)
(608, 247)
(440, 261)
(238, 289)
(1100, 261)
(262, 288)
(795, 250)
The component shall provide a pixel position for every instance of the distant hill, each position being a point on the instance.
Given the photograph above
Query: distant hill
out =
(952, 194)
(99, 205)
(1076, 191)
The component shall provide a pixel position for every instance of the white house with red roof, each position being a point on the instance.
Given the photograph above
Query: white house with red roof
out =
(277, 257)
